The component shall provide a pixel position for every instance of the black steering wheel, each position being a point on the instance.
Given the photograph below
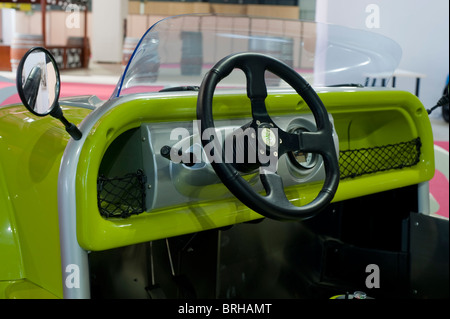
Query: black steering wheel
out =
(270, 140)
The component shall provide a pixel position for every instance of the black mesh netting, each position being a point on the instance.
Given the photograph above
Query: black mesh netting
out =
(121, 196)
(362, 161)
(125, 196)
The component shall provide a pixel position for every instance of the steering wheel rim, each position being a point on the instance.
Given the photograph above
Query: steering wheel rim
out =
(274, 204)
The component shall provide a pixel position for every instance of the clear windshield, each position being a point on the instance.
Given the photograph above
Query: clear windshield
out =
(179, 50)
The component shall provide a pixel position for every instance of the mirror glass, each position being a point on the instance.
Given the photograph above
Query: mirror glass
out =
(38, 81)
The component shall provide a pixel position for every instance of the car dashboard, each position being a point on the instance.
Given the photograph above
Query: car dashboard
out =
(129, 191)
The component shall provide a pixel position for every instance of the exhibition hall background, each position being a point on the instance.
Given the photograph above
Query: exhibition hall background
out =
(421, 27)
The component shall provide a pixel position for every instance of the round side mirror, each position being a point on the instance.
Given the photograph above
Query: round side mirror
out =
(38, 81)
(39, 84)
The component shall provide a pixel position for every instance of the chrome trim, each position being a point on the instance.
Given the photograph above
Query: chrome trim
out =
(71, 252)
(423, 198)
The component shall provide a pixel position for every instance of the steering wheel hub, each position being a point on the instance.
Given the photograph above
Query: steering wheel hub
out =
(268, 136)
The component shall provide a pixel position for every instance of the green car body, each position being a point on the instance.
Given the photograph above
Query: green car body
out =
(32, 147)
(70, 229)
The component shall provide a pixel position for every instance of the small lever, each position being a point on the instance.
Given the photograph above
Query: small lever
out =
(187, 159)
(165, 151)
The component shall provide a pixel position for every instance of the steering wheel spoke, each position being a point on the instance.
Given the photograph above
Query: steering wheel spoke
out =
(259, 112)
(273, 185)
(254, 73)
(313, 142)
(256, 89)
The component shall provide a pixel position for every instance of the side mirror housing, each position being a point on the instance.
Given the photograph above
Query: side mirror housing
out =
(38, 84)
